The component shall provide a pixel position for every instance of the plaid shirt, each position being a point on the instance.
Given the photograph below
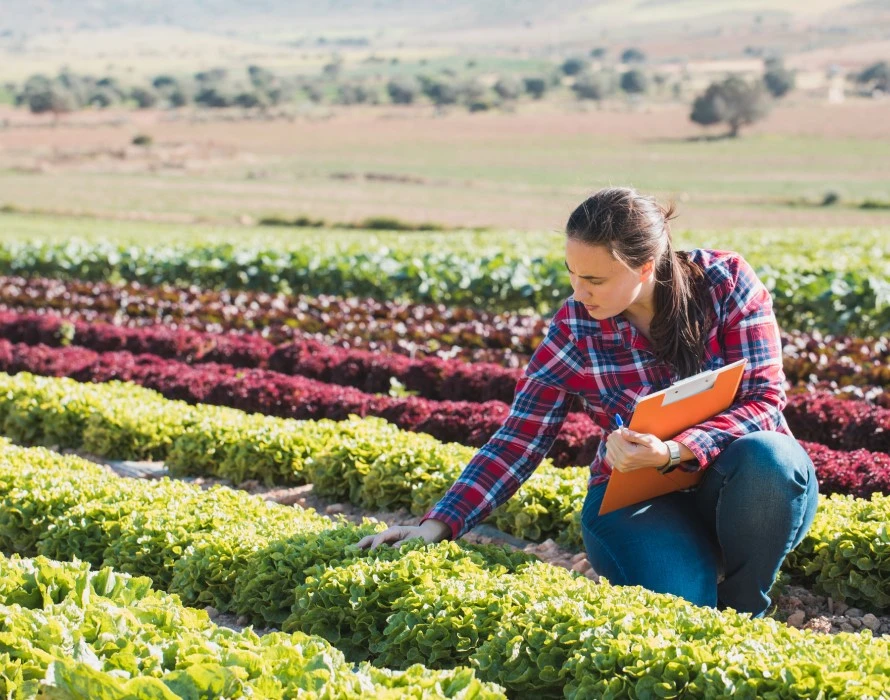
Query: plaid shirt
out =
(610, 365)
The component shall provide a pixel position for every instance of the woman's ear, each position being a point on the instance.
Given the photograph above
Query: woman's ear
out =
(647, 270)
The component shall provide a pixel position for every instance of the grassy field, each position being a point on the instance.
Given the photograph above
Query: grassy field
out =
(526, 170)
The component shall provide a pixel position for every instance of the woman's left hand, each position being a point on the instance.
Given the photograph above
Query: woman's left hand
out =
(628, 450)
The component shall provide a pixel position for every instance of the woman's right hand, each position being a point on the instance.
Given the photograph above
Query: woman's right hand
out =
(431, 531)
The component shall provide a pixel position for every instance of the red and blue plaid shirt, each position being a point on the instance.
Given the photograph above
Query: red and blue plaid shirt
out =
(610, 365)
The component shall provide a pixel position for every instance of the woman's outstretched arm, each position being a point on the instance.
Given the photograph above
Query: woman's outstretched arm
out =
(512, 454)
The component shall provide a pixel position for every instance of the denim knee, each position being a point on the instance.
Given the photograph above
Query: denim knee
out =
(771, 459)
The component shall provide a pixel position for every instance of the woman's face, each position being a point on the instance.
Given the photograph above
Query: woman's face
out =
(604, 284)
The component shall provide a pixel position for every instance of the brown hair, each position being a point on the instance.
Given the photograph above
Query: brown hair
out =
(634, 228)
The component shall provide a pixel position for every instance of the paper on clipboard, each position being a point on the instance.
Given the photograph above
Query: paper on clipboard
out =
(667, 413)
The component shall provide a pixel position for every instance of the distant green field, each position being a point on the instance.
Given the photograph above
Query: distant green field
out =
(481, 177)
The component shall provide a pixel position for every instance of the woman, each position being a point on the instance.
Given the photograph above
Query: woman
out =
(642, 316)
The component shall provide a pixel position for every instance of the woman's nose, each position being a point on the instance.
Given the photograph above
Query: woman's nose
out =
(581, 296)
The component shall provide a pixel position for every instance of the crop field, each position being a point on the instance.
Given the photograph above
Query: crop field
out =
(247, 362)
(368, 365)
(237, 339)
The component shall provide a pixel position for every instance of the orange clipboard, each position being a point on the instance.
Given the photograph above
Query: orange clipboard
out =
(667, 413)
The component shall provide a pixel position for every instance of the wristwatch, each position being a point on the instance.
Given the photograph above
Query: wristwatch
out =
(674, 450)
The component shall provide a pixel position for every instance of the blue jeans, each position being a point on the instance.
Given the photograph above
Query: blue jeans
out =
(754, 504)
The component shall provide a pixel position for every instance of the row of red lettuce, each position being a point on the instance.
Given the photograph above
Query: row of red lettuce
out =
(861, 432)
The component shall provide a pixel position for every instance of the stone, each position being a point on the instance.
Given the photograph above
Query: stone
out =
(819, 624)
(334, 508)
(871, 621)
(838, 607)
(846, 627)
(287, 498)
(243, 620)
(796, 619)
(579, 557)
(853, 612)
(581, 566)
(212, 612)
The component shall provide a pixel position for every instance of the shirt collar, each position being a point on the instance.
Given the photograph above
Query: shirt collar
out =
(611, 332)
(615, 331)
(618, 331)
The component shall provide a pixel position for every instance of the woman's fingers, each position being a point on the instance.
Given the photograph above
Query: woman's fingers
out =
(392, 534)
(638, 438)
(396, 535)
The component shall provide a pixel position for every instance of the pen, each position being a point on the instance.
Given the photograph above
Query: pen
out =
(618, 421)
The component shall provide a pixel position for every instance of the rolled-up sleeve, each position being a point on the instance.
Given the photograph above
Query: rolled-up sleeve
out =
(512, 454)
(750, 331)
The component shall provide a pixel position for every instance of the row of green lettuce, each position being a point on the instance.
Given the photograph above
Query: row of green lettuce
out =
(848, 247)
(846, 553)
(73, 632)
(853, 300)
(366, 461)
(528, 626)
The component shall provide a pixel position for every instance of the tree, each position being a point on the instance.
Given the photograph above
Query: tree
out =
(144, 97)
(594, 86)
(113, 85)
(214, 75)
(634, 82)
(535, 86)
(251, 98)
(574, 66)
(403, 91)
(633, 55)
(54, 98)
(473, 91)
(355, 93)
(261, 78)
(508, 88)
(733, 101)
(78, 86)
(163, 82)
(102, 97)
(778, 79)
(178, 97)
(877, 76)
(216, 96)
(598, 53)
(441, 92)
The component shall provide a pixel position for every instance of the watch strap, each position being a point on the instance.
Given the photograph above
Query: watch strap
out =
(674, 451)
